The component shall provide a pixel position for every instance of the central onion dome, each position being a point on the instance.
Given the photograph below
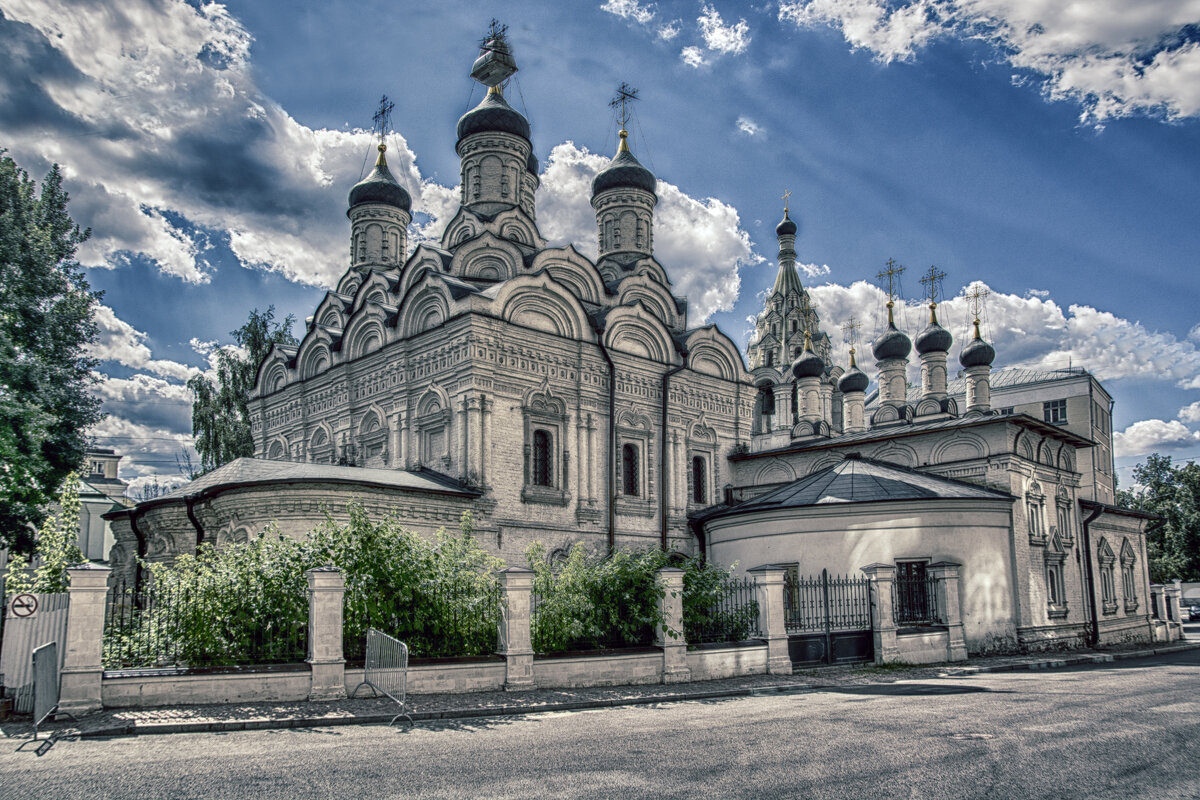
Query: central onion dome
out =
(624, 172)
(809, 364)
(855, 380)
(786, 226)
(934, 338)
(493, 115)
(380, 187)
(978, 353)
(892, 344)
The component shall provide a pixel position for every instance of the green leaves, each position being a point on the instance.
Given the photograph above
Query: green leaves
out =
(1173, 493)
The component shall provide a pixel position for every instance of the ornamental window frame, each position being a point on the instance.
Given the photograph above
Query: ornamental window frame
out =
(634, 429)
(1129, 576)
(1108, 585)
(701, 443)
(433, 420)
(544, 415)
(1056, 596)
(1066, 521)
(1035, 508)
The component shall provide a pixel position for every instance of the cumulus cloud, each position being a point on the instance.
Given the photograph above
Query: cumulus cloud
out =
(147, 449)
(718, 36)
(813, 270)
(630, 9)
(121, 342)
(1190, 413)
(692, 56)
(749, 126)
(1152, 435)
(1113, 57)
(700, 242)
(670, 30)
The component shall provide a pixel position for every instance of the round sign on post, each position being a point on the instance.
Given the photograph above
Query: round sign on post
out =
(23, 605)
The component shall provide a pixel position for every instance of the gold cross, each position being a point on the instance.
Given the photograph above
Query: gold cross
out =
(786, 194)
(933, 283)
(975, 298)
(850, 328)
(891, 275)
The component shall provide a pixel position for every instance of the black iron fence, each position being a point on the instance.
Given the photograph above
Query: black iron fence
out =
(458, 618)
(203, 624)
(826, 603)
(915, 602)
(571, 623)
(732, 615)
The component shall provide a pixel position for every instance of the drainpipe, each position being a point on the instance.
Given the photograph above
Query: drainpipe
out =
(191, 514)
(662, 455)
(141, 552)
(1090, 577)
(610, 473)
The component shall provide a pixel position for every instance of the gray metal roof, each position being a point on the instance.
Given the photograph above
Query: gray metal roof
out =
(999, 379)
(863, 480)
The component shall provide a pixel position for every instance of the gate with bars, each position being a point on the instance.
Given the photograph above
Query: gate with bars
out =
(828, 618)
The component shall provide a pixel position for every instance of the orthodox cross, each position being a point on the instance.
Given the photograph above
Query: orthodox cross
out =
(383, 117)
(975, 299)
(933, 284)
(892, 276)
(850, 328)
(786, 194)
(625, 95)
(496, 32)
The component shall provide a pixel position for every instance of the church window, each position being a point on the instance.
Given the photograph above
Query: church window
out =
(699, 480)
(1108, 586)
(543, 454)
(475, 185)
(794, 326)
(504, 184)
(1056, 597)
(767, 399)
(629, 471)
(770, 358)
(616, 236)
(1034, 510)
(1128, 576)
(545, 458)
(1055, 411)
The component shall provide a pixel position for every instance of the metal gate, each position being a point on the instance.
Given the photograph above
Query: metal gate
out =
(828, 618)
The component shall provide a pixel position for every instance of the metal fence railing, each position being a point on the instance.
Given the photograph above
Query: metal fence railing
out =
(202, 624)
(563, 626)
(826, 603)
(731, 617)
(915, 602)
(457, 618)
(385, 669)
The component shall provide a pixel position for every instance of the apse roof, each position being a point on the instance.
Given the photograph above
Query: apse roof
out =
(863, 480)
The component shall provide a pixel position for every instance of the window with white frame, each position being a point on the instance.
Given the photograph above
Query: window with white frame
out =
(1055, 411)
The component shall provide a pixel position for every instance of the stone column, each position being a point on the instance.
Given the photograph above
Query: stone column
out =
(82, 671)
(515, 643)
(882, 577)
(1174, 620)
(947, 575)
(326, 588)
(673, 640)
(979, 395)
(475, 439)
(772, 627)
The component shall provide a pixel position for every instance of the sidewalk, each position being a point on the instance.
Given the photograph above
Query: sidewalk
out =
(426, 707)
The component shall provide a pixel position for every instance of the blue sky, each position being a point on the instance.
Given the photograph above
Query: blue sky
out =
(1049, 150)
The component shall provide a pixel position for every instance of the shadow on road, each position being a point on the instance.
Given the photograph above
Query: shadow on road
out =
(912, 689)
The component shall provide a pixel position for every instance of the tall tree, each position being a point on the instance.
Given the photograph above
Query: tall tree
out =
(46, 325)
(1173, 493)
(220, 414)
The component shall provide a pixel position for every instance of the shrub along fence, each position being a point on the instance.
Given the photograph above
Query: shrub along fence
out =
(719, 610)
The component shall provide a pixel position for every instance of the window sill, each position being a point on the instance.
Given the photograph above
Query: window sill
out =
(1131, 606)
(1110, 608)
(1057, 612)
(636, 506)
(546, 495)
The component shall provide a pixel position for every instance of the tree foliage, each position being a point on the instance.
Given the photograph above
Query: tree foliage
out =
(46, 325)
(220, 414)
(1172, 492)
(57, 549)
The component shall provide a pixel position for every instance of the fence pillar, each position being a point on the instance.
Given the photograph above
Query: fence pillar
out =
(326, 591)
(949, 600)
(1171, 592)
(768, 582)
(515, 643)
(82, 669)
(673, 640)
(883, 620)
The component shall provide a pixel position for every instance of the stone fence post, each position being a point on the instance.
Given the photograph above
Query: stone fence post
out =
(1158, 609)
(82, 670)
(768, 581)
(326, 592)
(673, 640)
(949, 600)
(516, 644)
(1174, 620)
(882, 577)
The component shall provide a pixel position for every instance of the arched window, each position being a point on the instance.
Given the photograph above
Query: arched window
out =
(629, 470)
(767, 397)
(699, 480)
(543, 467)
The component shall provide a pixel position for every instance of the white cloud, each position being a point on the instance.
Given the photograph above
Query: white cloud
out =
(749, 126)
(1113, 57)
(720, 37)
(630, 9)
(670, 30)
(813, 270)
(693, 56)
(1043, 293)
(1194, 333)
(1190, 413)
(1151, 435)
(147, 449)
(700, 242)
(121, 342)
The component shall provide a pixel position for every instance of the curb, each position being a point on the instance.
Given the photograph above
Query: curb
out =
(151, 729)
(1091, 658)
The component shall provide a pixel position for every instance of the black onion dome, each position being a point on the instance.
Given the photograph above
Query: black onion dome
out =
(977, 354)
(786, 226)
(493, 115)
(855, 380)
(624, 172)
(892, 344)
(380, 187)
(808, 365)
(934, 338)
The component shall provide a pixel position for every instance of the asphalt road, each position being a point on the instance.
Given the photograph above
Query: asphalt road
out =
(1129, 729)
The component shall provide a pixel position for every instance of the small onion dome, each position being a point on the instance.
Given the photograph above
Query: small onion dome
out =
(624, 172)
(786, 226)
(934, 338)
(854, 380)
(978, 353)
(493, 115)
(380, 187)
(893, 343)
(809, 364)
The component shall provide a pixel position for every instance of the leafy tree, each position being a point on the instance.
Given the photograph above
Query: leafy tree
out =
(1174, 493)
(46, 324)
(57, 548)
(220, 415)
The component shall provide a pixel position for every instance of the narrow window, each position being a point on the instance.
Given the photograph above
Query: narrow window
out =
(699, 480)
(543, 462)
(768, 399)
(629, 470)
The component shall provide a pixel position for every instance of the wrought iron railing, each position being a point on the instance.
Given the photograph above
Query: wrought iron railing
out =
(915, 602)
(731, 617)
(826, 603)
(451, 618)
(202, 624)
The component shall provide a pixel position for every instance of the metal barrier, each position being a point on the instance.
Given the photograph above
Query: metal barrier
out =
(45, 685)
(386, 670)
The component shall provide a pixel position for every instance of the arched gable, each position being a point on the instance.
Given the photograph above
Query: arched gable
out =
(542, 398)
(332, 311)
(378, 287)
(513, 225)
(961, 446)
(321, 444)
(423, 259)
(274, 372)
(367, 331)
(433, 400)
(277, 449)
(316, 351)
(700, 432)
(487, 258)
(634, 330)
(463, 226)
(426, 306)
(776, 472)
(711, 352)
(642, 288)
(897, 453)
(538, 301)
(573, 270)
(824, 463)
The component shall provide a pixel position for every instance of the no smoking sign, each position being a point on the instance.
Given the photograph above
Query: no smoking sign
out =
(23, 605)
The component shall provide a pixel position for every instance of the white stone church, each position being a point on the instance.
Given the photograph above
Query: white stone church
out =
(563, 400)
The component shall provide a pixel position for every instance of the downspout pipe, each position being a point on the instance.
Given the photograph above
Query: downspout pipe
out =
(662, 455)
(1094, 637)
(141, 552)
(610, 473)
(191, 515)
